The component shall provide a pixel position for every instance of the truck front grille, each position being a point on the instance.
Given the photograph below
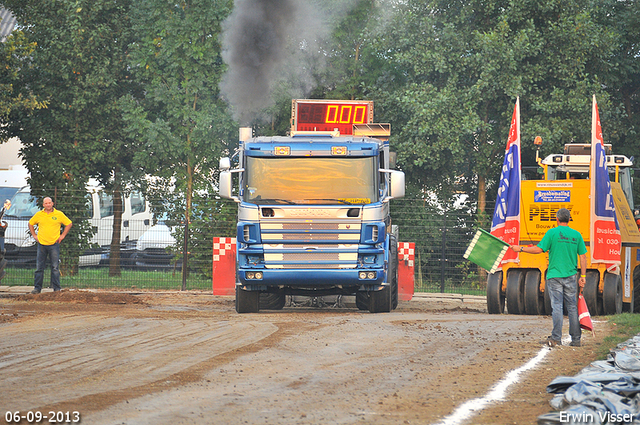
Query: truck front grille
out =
(334, 245)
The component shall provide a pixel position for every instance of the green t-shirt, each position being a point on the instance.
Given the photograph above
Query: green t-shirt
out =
(564, 245)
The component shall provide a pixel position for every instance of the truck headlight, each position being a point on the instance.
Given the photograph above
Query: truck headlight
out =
(254, 275)
(367, 275)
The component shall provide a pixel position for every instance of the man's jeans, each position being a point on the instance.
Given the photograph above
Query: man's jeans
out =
(53, 252)
(564, 289)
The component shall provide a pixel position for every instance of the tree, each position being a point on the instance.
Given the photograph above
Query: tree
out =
(465, 63)
(180, 118)
(621, 77)
(78, 66)
(16, 55)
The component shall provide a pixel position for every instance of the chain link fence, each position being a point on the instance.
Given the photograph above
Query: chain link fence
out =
(151, 254)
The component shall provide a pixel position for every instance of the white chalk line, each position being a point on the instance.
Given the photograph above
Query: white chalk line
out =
(498, 392)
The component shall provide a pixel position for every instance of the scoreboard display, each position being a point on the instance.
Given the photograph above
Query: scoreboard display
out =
(330, 115)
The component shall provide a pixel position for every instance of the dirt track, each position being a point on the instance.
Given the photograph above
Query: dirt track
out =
(190, 359)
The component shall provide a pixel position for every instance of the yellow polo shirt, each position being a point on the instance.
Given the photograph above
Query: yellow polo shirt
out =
(49, 225)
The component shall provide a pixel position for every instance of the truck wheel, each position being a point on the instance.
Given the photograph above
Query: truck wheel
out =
(612, 294)
(636, 290)
(393, 270)
(380, 301)
(495, 296)
(271, 301)
(515, 291)
(362, 300)
(247, 301)
(590, 293)
(533, 297)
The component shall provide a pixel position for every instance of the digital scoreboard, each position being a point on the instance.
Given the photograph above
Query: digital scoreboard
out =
(330, 115)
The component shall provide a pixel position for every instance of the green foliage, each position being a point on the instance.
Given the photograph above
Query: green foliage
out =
(15, 56)
(466, 62)
(180, 119)
(78, 66)
(116, 89)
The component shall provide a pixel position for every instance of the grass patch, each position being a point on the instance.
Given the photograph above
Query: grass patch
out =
(98, 278)
(625, 326)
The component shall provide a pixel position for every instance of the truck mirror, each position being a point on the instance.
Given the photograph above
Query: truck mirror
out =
(225, 164)
(225, 185)
(396, 189)
(393, 159)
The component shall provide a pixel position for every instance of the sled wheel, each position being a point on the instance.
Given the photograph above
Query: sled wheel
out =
(533, 297)
(515, 291)
(612, 294)
(495, 296)
(636, 290)
(590, 293)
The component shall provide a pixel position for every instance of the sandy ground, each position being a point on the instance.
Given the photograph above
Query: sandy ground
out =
(188, 358)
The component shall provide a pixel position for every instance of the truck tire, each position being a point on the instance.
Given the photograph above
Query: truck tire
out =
(533, 297)
(247, 301)
(515, 291)
(272, 301)
(362, 300)
(393, 270)
(380, 301)
(495, 296)
(612, 294)
(590, 293)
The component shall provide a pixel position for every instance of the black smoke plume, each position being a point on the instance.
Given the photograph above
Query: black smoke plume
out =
(261, 39)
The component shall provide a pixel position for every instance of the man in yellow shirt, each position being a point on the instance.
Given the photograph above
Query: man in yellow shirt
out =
(49, 221)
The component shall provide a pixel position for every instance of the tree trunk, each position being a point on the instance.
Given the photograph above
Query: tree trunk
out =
(187, 214)
(482, 194)
(114, 252)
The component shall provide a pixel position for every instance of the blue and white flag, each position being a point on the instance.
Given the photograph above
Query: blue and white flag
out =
(506, 216)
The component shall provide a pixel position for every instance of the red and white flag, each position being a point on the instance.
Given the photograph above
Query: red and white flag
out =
(506, 216)
(605, 239)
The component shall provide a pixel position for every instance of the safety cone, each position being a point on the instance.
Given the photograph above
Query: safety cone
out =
(584, 316)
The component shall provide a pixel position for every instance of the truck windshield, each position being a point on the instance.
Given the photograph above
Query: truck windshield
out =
(311, 180)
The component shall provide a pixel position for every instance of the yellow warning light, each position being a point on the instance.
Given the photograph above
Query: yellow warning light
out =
(338, 150)
(537, 141)
(282, 150)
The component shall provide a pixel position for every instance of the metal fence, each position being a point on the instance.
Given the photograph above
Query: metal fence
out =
(151, 251)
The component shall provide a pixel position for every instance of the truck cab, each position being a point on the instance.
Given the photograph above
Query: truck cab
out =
(313, 218)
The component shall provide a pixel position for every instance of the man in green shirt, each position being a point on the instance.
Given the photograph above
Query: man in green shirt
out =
(564, 245)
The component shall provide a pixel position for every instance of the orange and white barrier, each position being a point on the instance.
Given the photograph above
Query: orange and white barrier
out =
(406, 274)
(224, 266)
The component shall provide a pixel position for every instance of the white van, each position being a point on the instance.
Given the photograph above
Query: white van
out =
(11, 181)
(136, 219)
(153, 250)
